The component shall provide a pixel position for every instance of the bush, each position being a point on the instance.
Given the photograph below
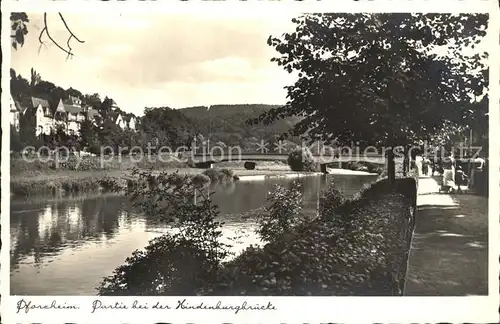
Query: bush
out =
(282, 213)
(301, 159)
(184, 263)
(362, 255)
(110, 184)
(249, 165)
(219, 175)
(331, 199)
(167, 266)
(360, 251)
(200, 180)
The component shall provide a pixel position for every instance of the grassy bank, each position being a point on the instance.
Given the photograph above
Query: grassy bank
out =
(91, 174)
(41, 180)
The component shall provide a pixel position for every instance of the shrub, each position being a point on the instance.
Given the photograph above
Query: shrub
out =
(331, 199)
(177, 264)
(110, 184)
(200, 180)
(361, 251)
(250, 165)
(219, 175)
(363, 255)
(167, 266)
(282, 213)
(301, 159)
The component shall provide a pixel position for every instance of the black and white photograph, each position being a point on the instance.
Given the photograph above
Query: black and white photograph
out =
(250, 154)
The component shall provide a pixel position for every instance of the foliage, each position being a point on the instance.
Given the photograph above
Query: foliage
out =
(282, 213)
(362, 252)
(22, 187)
(361, 255)
(16, 144)
(167, 127)
(331, 198)
(249, 165)
(19, 22)
(227, 124)
(167, 266)
(219, 175)
(376, 79)
(177, 263)
(301, 159)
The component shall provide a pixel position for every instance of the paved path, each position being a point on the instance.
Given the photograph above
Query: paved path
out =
(449, 252)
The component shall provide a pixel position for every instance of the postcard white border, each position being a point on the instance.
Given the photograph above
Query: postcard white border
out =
(289, 309)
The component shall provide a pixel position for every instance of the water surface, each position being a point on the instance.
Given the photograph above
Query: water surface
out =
(66, 247)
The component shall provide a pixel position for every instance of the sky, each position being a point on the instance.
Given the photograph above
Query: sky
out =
(144, 60)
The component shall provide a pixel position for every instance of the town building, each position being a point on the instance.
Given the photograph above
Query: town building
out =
(67, 114)
(15, 112)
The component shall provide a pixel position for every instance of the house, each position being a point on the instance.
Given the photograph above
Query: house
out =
(114, 106)
(15, 112)
(75, 114)
(119, 120)
(91, 114)
(130, 121)
(37, 114)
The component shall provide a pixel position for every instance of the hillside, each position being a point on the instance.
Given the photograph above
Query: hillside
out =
(227, 124)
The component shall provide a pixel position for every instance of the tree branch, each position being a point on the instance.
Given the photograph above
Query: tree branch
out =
(69, 30)
(46, 31)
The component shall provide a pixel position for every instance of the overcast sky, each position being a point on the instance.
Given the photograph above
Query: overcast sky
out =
(164, 60)
(144, 60)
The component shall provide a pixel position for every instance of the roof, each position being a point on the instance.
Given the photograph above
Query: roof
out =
(18, 105)
(14, 106)
(114, 105)
(92, 112)
(35, 102)
(72, 108)
(128, 118)
(72, 105)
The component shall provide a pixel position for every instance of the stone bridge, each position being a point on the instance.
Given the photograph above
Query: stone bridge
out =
(208, 160)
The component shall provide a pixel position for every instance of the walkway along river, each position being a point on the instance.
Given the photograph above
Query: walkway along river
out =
(66, 247)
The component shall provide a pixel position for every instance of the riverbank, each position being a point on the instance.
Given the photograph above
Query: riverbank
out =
(63, 182)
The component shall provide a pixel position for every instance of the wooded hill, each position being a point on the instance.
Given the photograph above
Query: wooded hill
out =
(228, 124)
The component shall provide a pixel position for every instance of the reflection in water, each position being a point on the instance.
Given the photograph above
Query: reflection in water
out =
(66, 247)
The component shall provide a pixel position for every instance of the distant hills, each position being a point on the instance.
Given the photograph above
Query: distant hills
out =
(227, 124)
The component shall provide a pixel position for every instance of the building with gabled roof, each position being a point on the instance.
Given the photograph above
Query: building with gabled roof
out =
(130, 121)
(15, 112)
(37, 114)
(75, 114)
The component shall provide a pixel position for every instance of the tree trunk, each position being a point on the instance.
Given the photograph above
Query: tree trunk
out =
(391, 168)
(406, 161)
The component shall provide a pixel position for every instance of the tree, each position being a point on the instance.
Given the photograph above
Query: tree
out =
(88, 137)
(19, 86)
(376, 78)
(35, 78)
(93, 101)
(170, 126)
(19, 22)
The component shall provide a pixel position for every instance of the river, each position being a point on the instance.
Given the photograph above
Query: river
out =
(65, 247)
